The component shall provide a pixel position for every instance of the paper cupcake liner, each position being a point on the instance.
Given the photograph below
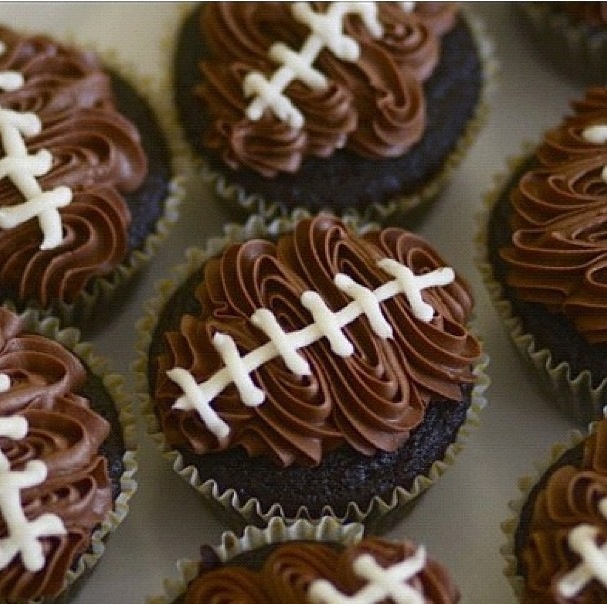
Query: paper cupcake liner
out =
(525, 486)
(106, 290)
(574, 395)
(231, 545)
(399, 207)
(575, 49)
(114, 383)
(380, 514)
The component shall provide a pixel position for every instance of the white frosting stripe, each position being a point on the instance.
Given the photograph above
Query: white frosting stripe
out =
(326, 32)
(382, 583)
(22, 169)
(326, 324)
(582, 540)
(266, 321)
(23, 535)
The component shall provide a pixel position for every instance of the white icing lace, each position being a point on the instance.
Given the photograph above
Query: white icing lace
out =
(326, 324)
(23, 169)
(582, 540)
(326, 32)
(23, 536)
(382, 583)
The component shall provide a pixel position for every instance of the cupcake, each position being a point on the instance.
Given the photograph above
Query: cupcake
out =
(545, 255)
(87, 189)
(570, 36)
(304, 563)
(286, 373)
(555, 548)
(66, 456)
(354, 109)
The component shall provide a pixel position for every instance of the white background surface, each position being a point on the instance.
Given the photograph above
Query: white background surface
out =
(459, 518)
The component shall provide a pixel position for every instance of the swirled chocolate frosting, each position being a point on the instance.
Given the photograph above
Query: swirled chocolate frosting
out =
(371, 399)
(558, 252)
(373, 106)
(291, 568)
(95, 151)
(65, 435)
(568, 498)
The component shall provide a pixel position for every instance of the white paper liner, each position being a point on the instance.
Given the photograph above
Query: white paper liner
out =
(573, 394)
(114, 383)
(380, 514)
(231, 545)
(399, 205)
(525, 486)
(102, 290)
(576, 49)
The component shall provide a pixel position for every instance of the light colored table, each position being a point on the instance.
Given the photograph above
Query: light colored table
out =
(459, 518)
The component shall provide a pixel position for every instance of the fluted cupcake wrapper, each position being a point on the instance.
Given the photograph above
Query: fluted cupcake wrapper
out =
(106, 290)
(575, 49)
(525, 485)
(403, 207)
(50, 327)
(380, 514)
(574, 395)
(277, 531)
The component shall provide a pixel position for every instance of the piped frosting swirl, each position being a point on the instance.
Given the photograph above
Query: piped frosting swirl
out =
(95, 153)
(396, 51)
(561, 558)
(53, 458)
(370, 399)
(308, 572)
(558, 253)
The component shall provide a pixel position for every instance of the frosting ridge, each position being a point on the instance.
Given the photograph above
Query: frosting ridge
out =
(557, 254)
(370, 399)
(96, 154)
(383, 83)
(61, 438)
(291, 571)
(570, 499)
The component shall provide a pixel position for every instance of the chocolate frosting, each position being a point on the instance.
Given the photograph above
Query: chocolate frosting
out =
(374, 106)
(370, 400)
(290, 569)
(569, 498)
(558, 255)
(96, 152)
(63, 433)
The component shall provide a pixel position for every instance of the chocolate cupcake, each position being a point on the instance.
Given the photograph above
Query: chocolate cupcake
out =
(355, 396)
(87, 188)
(306, 563)
(570, 36)
(557, 534)
(370, 119)
(544, 253)
(67, 458)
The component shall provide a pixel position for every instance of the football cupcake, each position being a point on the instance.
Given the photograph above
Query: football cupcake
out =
(67, 458)
(87, 189)
(312, 372)
(544, 257)
(555, 548)
(362, 108)
(304, 563)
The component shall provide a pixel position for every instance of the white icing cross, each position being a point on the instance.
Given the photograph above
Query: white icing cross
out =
(381, 583)
(326, 32)
(326, 324)
(22, 169)
(582, 540)
(23, 535)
